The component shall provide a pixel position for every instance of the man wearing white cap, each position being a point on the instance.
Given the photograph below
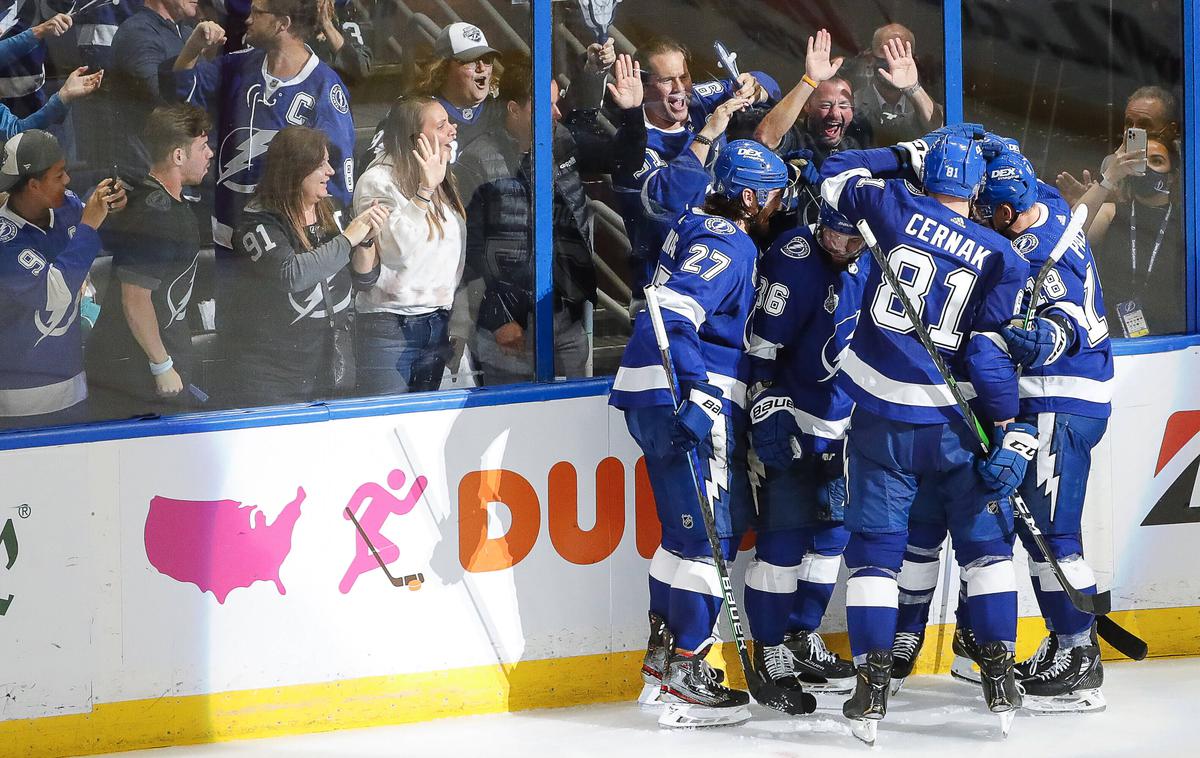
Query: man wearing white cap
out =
(48, 241)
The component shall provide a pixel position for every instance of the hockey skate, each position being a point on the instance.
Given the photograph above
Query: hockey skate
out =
(1069, 683)
(966, 656)
(819, 669)
(694, 695)
(905, 649)
(777, 665)
(654, 662)
(1000, 691)
(868, 705)
(1039, 661)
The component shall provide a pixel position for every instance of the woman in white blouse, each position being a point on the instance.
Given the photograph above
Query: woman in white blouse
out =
(401, 337)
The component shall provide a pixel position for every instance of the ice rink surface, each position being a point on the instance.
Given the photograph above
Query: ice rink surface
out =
(1151, 711)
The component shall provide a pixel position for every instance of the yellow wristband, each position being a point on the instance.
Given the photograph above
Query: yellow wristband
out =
(810, 81)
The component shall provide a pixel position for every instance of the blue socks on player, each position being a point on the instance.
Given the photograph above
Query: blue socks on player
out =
(991, 590)
(872, 593)
(1072, 625)
(814, 588)
(919, 575)
(694, 596)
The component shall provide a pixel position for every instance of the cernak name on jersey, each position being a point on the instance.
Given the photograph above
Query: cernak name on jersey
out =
(934, 233)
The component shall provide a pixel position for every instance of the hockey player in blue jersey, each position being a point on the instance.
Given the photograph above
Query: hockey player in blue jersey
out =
(810, 289)
(682, 141)
(1065, 391)
(48, 240)
(706, 284)
(255, 93)
(964, 280)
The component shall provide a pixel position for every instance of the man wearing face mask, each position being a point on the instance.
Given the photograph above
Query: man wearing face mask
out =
(1135, 224)
(705, 281)
(810, 291)
(889, 94)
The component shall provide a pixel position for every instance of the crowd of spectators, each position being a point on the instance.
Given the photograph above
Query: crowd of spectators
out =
(304, 264)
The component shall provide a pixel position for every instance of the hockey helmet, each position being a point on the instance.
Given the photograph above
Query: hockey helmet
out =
(1010, 178)
(830, 218)
(954, 166)
(746, 164)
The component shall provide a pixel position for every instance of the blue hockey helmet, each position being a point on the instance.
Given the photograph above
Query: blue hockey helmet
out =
(954, 166)
(746, 164)
(1010, 178)
(830, 218)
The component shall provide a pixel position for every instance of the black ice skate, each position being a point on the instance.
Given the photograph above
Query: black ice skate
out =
(868, 705)
(1039, 661)
(818, 668)
(655, 661)
(966, 655)
(777, 665)
(905, 649)
(694, 695)
(1000, 691)
(1069, 684)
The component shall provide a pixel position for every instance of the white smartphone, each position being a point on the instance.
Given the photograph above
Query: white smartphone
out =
(1135, 139)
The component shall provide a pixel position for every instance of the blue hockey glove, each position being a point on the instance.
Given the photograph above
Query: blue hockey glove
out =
(773, 428)
(1013, 447)
(696, 416)
(802, 160)
(1049, 338)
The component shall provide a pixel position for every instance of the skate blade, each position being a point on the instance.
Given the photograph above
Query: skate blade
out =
(865, 730)
(831, 686)
(897, 684)
(1080, 701)
(649, 697)
(691, 716)
(1006, 721)
(965, 670)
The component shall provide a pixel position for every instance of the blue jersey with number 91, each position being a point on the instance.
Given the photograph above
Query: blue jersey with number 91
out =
(705, 281)
(964, 282)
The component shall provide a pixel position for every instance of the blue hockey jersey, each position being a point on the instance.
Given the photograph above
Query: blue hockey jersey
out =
(671, 179)
(22, 79)
(1080, 380)
(251, 106)
(806, 314)
(98, 24)
(965, 282)
(41, 277)
(705, 282)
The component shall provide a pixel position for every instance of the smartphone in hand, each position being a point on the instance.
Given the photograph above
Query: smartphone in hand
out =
(1135, 139)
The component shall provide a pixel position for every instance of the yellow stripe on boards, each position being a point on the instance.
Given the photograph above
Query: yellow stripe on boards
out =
(406, 698)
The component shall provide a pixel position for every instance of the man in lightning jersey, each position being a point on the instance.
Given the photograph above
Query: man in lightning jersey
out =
(1065, 392)
(681, 145)
(255, 93)
(964, 281)
(810, 289)
(705, 282)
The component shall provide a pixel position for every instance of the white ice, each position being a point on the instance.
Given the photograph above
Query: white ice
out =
(1150, 712)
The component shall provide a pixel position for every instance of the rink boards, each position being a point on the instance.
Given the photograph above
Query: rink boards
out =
(208, 586)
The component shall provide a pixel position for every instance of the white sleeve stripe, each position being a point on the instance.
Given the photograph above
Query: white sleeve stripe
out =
(684, 305)
(832, 188)
(760, 348)
(1067, 387)
(646, 378)
(994, 337)
(816, 426)
(900, 393)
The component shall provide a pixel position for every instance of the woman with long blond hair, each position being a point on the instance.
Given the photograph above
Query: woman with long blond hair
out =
(293, 311)
(402, 338)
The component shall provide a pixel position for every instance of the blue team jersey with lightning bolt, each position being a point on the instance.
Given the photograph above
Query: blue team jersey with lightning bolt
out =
(705, 282)
(41, 277)
(806, 314)
(962, 279)
(251, 106)
(671, 179)
(1080, 380)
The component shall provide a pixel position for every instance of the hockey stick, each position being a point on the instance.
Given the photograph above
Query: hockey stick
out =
(1122, 640)
(766, 693)
(412, 581)
(1097, 604)
(726, 59)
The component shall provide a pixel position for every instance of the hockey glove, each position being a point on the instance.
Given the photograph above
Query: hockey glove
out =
(802, 161)
(1044, 343)
(696, 416)
(1013, 447)
(773, 428)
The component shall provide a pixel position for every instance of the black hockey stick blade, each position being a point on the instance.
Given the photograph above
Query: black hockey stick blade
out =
(395, 580)
(1122, 640)
(777, 698)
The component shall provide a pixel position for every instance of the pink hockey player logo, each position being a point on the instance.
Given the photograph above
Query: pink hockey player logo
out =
(219, 545)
